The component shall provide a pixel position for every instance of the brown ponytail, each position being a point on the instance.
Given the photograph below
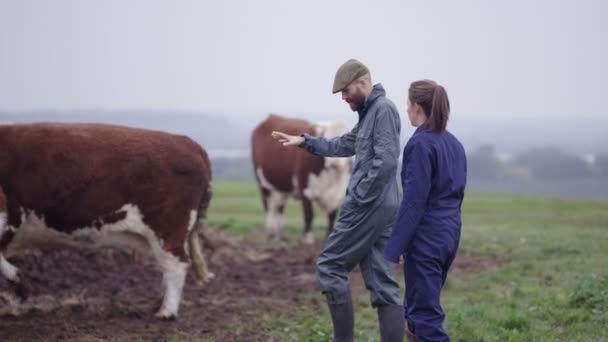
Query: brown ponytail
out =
(434, 102)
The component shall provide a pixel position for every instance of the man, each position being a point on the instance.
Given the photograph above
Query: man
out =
(370, 206)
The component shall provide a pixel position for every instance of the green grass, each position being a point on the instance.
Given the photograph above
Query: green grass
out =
(555, 287)
(236, 209)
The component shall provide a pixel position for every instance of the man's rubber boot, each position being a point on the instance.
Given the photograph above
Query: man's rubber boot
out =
(392, 323)
(342, 316)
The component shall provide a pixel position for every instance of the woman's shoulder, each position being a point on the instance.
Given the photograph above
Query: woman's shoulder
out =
(418, 142)
(453, 139)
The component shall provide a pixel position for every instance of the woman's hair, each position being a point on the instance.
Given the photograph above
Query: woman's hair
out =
(434, 102)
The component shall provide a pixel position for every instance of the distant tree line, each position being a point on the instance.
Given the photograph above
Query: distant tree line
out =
(483, 164)
(542, 163)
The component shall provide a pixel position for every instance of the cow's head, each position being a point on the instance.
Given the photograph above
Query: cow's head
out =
(329, 187)
(329, 130)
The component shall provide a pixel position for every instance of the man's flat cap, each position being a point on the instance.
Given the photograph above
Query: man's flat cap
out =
(347, 73)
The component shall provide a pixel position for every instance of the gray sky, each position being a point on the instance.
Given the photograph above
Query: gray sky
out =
(517, 58)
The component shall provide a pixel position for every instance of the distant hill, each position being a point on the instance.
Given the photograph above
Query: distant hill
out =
(517, 135)
(226, 135)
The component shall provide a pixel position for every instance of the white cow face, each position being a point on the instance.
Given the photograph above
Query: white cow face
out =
(329, 130)
(328, 188)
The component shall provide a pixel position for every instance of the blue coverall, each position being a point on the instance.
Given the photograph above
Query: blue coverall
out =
(370, 206)
(427, 230)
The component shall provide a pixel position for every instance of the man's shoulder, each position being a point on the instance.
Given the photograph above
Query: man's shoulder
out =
(384, 106)
(383, 102)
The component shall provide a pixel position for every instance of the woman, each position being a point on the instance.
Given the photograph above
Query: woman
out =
(427, 231)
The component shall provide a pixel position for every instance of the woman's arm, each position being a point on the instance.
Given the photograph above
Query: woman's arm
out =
(416, 180)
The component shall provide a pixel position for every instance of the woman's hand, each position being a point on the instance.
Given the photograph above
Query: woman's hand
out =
(287, 140)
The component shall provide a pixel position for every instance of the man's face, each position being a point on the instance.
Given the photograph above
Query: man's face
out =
(353, 95)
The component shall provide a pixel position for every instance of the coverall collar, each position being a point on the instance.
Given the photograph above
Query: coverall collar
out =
(377, 91)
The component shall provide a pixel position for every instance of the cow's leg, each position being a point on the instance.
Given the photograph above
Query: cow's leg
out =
(274, 215)
(199, 264)
(171, 257)
(8, 270)
(332, 219)
(265, 196)
(272, 223)
(14, 276)
(269, 209)
(174, 277)
(308, 216)
(280, 209)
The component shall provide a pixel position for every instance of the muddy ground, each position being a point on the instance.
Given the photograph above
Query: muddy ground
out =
(107, 296)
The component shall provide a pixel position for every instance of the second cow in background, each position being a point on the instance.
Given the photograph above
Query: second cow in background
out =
(284, 172)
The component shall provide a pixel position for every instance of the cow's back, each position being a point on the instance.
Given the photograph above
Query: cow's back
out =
(280, 164)
(71, 173)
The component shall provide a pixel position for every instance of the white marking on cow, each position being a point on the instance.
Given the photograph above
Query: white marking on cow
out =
(129, 232)
(320, 128)
(272, 226)
(174, 276)
(329, 186)
(295, 184)
(3, 227)
(330, 129)
(308, 238)
(281, 203)
(263, 181)
(192, 220)
(274, 219)
(8, 270)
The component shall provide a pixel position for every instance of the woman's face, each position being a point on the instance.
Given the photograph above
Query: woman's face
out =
(414, 113)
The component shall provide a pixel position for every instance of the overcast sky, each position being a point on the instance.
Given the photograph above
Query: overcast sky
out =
(500, 59)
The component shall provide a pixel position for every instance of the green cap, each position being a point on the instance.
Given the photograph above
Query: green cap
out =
(347, 73)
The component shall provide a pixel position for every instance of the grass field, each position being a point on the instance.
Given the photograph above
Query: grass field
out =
(553, 285)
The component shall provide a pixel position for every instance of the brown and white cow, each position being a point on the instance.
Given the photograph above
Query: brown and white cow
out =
(104, 185)
(290, 171)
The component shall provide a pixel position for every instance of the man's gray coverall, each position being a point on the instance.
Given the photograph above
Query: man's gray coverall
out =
(370, 206)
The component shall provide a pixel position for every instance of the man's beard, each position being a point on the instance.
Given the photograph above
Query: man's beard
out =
(357, 103)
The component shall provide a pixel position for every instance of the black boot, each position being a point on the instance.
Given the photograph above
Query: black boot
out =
(392, 322)
(342, 316)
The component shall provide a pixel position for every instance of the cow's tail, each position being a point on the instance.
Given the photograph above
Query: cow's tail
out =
(195, 247)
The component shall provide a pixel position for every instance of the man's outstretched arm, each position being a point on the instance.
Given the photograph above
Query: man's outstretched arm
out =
(342, 146)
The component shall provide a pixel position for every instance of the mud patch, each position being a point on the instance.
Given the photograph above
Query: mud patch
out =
(470, 264)
(106, 296)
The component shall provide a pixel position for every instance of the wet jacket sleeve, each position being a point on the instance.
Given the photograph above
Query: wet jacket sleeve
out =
(385, 143)
(342, 146)
(416, 180)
